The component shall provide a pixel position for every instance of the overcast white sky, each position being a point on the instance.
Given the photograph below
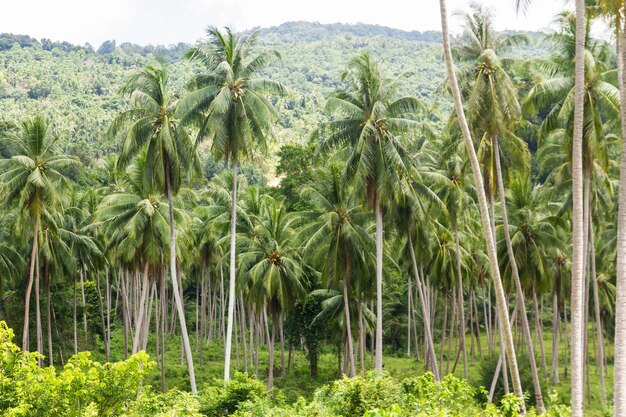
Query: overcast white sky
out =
(172, 21)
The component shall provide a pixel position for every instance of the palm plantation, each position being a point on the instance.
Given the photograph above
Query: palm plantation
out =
(372, 247)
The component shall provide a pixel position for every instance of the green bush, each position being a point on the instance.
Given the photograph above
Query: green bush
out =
(221, 399)
(354, 396)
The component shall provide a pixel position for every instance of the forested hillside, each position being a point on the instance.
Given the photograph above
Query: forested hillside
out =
(79, 86)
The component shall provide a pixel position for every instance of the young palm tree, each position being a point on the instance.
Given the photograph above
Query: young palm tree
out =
(33, 178)
(371, 118)
(231, 109)
(484, 210)
(151, 124)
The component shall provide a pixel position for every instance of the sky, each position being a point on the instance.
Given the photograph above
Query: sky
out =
(171, 21)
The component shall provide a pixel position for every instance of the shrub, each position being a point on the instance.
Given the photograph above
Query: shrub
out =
(221, 400)
(354, 396)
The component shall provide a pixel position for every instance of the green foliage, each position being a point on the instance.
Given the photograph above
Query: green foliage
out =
(219, 398)
(81, 387)
(355, 396)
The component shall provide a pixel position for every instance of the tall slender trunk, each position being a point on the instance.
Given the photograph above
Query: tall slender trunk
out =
(29, 285)
(270, 376)
(480, 191)
(163, 326)
(361, 339)
(346, 308)
(555, 334)
(38, 313)
(596, 299)
(408, 317)
(107, 343)
(242, 309)
(139, 322)
(102, 322)
(178, 296)
(379, 287)
(48, 313)
(518, 285)
(539, 330)
(443, 330)
(74, 317)
(577, 306)
(619, 380)
(460, 300)
(232, 266)
(427, 329)
(83, 301)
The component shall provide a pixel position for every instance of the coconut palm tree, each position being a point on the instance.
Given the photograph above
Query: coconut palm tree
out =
(230, 106)
(151, 123)
(34, 178)
(336, 240)
(491, 88)
(484, 210)
(273, 261)
(371, 116)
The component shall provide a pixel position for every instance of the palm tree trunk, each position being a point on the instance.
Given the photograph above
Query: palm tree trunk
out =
(163, 326)
(555, 335)
(107, 343)
(48, 313)
(539, 330)
(408, 317)
(270, 376)
(282, 345)
(379, 287)
(460, 301)
(75, 321)
(29, 285)
(139, 322)
(427, 329)
(361, 339)
(346, 309)
(518, 285)
(443, 330)
(178, 296)
(38, 313)
(232, 266)
(102, 322)
(596, 299)
(619, 381)
(84, 302)
(577, 306)
(480, 191)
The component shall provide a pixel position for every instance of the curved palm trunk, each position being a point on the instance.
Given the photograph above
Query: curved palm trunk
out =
(619, 382)
(577, 297)
(379, 288)
(460, 282)
(484, 213)
(177, 296)
(518, 285)
(346, 309)
(231, 288)
(427, 329)
(29, 286)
